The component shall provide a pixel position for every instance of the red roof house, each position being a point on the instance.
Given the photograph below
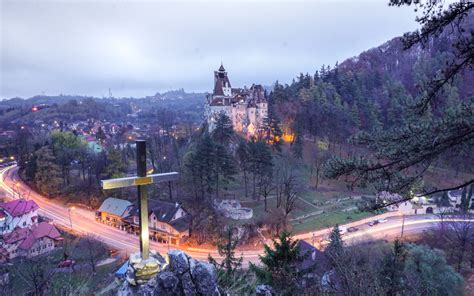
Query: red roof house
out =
(39, 231)
(38, 239)
(19, 207)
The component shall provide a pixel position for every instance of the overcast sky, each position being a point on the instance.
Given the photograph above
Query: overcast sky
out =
(140, 48)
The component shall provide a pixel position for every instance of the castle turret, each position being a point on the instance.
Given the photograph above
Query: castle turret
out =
(222, 85)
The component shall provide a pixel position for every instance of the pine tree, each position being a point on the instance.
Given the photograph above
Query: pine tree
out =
(230, 264)
(297, 146)
(209, 165)
(464, 206)
(273, 135)
(243, 156)
(280, 263)
(335, 247)
(260, 164)
(355, 116)
(200, 165)
(224, 166)
(393, 269)
(224, 130)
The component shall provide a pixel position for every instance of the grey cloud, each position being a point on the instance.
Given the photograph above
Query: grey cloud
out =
(138, 48)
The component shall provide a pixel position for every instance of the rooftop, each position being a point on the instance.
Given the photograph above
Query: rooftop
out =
(39, 231)
(115, 206)
(19, 207)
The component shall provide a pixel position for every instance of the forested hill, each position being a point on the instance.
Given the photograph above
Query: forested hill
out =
(70, 108)
(367, 91)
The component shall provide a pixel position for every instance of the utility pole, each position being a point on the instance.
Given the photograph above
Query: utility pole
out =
(70, 219)
(403, 225)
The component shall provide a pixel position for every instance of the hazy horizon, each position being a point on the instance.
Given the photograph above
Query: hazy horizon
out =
(138, 49)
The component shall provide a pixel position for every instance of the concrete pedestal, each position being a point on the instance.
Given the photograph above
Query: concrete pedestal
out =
(141, 271)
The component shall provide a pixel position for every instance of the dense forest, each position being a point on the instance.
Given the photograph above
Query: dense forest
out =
(367, 92)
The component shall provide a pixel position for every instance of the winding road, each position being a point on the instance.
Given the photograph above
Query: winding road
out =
(83, 221)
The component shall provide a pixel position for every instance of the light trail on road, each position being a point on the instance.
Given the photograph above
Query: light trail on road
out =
(84, 223)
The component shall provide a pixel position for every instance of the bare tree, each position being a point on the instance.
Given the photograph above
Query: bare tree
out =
(36, 273)
(266, 188)
(455, 236)
(91, 249)
(287, 183)
(459, 236)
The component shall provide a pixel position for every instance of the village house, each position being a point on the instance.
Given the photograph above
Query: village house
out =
(168, 222)
(39, 239)
(18, 213)
(317, 268)
(455, 198)
(113, 211)
(247, 108)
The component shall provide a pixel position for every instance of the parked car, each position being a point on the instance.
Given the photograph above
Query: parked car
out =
(342, 230)
(382, 220)
(352, 229)
(372, 223)
(66, 263)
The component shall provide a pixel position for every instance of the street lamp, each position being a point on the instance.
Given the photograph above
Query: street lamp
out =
(18, 189)
(69, 210)
(403, 224)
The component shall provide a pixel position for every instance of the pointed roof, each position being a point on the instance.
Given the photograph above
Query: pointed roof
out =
(43, 229)
(221, 68)
(18, 234)
(28, 236)
(115, 206)
(19, 207)
(218, 88)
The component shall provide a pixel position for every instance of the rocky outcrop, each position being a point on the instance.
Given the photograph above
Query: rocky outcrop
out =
(182, 275)
(264, 290)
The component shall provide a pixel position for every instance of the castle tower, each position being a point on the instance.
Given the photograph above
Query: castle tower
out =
(222, 85)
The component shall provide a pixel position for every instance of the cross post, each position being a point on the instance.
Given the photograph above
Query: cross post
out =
(140, 181)
(142, 199)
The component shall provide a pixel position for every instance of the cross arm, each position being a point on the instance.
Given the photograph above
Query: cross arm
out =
(135, 181)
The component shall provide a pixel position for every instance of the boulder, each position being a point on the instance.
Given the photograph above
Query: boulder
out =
(182, 276)
(167, 283)
(179, 261)
(205, 277)
(264, 290)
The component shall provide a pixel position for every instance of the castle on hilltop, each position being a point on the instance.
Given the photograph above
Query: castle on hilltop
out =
(246, 107)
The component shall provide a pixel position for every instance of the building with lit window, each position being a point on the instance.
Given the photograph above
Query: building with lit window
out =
(19, 213)
(246, 107)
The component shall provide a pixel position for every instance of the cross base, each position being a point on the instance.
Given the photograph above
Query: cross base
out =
(141, 271)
